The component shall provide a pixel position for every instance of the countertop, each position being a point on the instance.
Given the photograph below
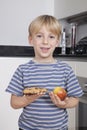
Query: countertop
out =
(28, 51)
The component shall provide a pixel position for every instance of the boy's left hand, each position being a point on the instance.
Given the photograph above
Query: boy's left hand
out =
(57, 101)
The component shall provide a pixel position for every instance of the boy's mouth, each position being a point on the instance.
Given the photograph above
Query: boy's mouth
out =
(45, 49)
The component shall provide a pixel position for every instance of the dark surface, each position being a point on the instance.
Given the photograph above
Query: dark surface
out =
(27, 51)
(82, 116)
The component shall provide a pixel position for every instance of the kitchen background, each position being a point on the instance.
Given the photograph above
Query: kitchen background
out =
(15, 16)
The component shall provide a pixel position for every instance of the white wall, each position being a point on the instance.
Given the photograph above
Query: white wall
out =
(65, 8)
(15, 16)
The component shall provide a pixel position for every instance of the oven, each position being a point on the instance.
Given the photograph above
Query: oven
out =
(81, 114)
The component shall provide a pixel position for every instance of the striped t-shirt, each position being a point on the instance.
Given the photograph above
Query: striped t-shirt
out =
(42, 114)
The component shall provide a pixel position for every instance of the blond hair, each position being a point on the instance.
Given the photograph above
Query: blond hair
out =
(50, 22)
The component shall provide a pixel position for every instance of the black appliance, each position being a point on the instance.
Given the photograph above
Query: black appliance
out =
(81, 46)
(82, 113)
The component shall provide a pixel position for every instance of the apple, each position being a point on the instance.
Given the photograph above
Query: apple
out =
(60, 92)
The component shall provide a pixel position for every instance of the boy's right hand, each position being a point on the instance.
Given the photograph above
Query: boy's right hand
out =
(32, 98)
(22, 101)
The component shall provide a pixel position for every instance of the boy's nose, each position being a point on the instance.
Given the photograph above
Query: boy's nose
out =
(45, 41)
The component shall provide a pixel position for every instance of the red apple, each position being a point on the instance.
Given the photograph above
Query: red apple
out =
(60, 92)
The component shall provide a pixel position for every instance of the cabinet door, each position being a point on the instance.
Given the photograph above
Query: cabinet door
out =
(81, 69)
(81, 72)
(65, 8)
(71, 119)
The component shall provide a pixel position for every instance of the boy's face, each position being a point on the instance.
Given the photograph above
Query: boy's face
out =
(44, 43)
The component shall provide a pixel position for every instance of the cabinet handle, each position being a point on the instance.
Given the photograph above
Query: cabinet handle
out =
(85, 85)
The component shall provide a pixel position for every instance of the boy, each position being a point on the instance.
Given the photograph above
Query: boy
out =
(44, 111)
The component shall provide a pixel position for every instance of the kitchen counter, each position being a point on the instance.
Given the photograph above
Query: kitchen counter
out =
(27, 51)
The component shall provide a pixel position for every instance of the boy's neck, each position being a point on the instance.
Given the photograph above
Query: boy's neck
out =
(49, 61)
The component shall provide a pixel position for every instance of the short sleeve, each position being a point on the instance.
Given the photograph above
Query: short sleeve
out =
(73, 86)
(16, 84)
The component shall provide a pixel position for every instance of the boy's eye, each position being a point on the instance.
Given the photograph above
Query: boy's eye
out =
(38, 35)
(52, 36)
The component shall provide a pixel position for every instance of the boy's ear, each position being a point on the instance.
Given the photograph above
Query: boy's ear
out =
(30, 40)
(57, 43)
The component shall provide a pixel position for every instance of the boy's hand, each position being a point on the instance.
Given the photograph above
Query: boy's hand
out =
(57, 101)
(22, 101)
(32, 98)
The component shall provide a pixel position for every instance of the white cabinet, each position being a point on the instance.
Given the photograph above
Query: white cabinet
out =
(72, 119)
(81, 69)
(65, 8)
